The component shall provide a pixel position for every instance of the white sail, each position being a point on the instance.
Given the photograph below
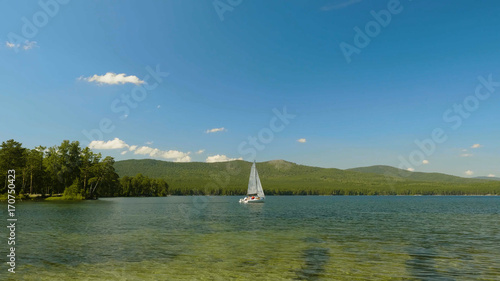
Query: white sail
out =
(254, 185)
(255, 193)
(252, 182)
(260, 191)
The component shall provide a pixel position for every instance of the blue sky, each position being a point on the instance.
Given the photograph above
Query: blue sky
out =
(232, 67)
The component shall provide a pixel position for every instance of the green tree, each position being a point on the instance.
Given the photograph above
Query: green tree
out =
(12, 157)
(69, 159)
(88, 160)
(53, 164)
(63, 165)
(35, 169)
(125, 184)
(105, 177)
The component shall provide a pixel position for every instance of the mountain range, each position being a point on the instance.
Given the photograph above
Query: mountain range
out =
(281, 177)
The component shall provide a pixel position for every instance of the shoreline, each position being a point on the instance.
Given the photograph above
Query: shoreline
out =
(61, 198)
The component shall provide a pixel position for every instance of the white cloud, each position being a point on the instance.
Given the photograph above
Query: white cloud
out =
(183, 159)
(29, 45)
(425, 162)
(158, 106)
(144, 150)
(111, 78)
(149, 142)
(215, 130)
(410, 169)
(466, 155)
(339, 6)
(177, 156)
(301, 140)
(491, 176)
(200, 151)
(220, 158)
(476, 145)
(116, 143)
(11, 45)
(469, 172)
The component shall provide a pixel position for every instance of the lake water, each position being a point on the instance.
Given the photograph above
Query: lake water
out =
(286, 238)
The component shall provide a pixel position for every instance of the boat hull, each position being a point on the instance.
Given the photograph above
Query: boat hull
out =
(251, 201)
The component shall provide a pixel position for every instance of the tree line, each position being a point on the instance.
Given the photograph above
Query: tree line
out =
(79, 173)
(69, 169)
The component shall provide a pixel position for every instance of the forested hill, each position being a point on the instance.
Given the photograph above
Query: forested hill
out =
(417, 176)
(282, 177)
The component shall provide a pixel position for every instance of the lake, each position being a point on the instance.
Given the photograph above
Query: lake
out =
(286, 238)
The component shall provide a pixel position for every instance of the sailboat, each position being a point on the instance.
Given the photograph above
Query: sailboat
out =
(255, 193)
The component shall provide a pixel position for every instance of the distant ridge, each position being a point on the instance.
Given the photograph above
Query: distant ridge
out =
(488, 178)
(417, 176)
(281, 177)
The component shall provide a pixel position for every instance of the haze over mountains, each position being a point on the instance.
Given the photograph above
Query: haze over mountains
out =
(488, 178)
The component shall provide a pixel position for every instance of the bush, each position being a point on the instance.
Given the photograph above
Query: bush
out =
(70, 193)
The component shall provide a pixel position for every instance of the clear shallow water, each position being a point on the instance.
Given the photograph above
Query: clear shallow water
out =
(287, 238)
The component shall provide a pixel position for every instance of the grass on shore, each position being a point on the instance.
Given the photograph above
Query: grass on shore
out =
(55, 197)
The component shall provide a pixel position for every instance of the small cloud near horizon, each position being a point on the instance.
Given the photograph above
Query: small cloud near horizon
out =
(111, 78)
(302, 140)
(339, 6)
(215, 130)
(469, 173)
(220, 158)
(491, 176)
(200, 151)
(425, 162)
(177, 156)
(116, 143)
(466, 155)
(476, 145)
(410, 169)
